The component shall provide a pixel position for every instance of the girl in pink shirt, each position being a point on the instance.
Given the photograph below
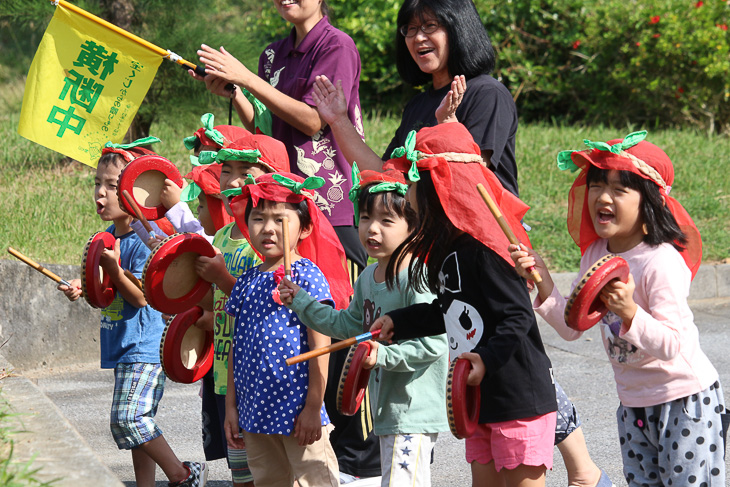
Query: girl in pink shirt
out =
(669, 418)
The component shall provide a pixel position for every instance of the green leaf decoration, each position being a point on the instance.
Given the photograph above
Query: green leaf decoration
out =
(190, 192)
(399, 188)
(633, 138)
(136, 143)
(597, 145)
(231, 192)
(261, 116)
(249, 180)
(565, 161)
(355, 175)
(207, 157)
(408, 150)
(194, 160)
(312, 182)
(189, 142)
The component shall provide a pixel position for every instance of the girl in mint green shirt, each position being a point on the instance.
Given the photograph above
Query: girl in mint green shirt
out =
(408, 382)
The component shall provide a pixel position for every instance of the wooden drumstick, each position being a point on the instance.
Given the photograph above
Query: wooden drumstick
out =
(332, 348)
(35, 265)
(287, 253)
(505, 226)
(138, 213)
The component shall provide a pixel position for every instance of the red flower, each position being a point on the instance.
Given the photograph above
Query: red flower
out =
(638, 44)
(656, 35)
(721, 26)
(699, 4)
(576, 45)
(655, 20)
(680, 89)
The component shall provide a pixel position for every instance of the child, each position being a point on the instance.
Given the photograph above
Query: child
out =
(130, 340)
(482, 304)
(206, 138)
(280, 409)
(671, 400)
(409, 381)
(253, 155)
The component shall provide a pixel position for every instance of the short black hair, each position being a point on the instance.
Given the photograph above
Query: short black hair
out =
(301, 208)
(470, 50)
(112, 158)
(392, 201)
(661, 225)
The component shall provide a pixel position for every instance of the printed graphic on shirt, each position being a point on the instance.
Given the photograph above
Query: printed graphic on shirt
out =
(275, 77)
(464, 325)
(619, 349)
(113, 313)
(358, 122)
(369, 314)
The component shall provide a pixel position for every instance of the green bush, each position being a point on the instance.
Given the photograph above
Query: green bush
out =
(639, 63)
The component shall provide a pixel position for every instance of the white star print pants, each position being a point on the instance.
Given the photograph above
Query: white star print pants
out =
(406, 459)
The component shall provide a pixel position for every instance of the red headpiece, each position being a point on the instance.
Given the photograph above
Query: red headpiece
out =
(633, 154)
(454, 159)
(322, 246)
(206, 179)
(214, 136)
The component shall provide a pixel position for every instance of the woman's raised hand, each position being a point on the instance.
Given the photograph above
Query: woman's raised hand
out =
(446, 111)
(223, 66)
(330, 100)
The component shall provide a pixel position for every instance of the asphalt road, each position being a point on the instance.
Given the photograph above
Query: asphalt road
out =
(83, 394)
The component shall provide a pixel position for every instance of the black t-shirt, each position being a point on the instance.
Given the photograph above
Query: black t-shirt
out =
(487, 110)
(483, 306)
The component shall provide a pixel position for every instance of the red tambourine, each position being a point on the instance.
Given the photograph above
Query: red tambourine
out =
(353, 380)
(169, 280)
(462, 401)
(186, 351)
(584, 307)
(96, 285)
(144, 178)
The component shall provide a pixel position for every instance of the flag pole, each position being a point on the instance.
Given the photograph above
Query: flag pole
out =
(167, 54)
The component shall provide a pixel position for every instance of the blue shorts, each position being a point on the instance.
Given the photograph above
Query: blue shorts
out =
(138, 389)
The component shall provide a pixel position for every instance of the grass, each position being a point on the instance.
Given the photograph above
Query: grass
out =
(50, 213)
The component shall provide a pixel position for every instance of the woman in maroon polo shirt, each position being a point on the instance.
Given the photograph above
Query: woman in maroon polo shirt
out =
(287, 71)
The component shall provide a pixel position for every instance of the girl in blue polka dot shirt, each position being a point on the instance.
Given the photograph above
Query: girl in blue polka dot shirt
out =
(276, 410)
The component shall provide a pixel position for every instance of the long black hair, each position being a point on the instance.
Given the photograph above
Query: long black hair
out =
(433, 238)
(470, 50)
(660, 224)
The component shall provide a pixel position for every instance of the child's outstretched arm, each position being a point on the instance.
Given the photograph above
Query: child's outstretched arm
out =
(322, 317)
(446, 111)
(526, 258)
(213, 269)
(230, 425)
(308, 426)
(109, 261)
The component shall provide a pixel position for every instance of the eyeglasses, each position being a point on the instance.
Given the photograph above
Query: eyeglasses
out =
(411, 30)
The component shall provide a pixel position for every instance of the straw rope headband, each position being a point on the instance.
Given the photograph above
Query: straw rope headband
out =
(409, 151)
(565, 160)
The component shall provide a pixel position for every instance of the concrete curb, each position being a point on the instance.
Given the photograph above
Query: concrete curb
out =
(45, 436)
(711, 282)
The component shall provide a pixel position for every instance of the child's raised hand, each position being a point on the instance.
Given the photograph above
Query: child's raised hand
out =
(170, 194)
(476, 374)
(210, 268)
(446, 111)
(618, 297)
(386, 327)
(308, 425)
(109, 258)
(287, 291)
(72, 293)
(525, 258)
(372, 357)
(330, 100)
(233, 432)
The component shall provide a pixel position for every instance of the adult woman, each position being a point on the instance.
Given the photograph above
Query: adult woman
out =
(287, 69)
(443, 42)
(437, 40)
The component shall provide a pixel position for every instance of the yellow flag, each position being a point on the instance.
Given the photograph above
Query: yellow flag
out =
(84, 87)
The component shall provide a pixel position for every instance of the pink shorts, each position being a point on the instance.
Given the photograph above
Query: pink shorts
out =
(527, 441)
